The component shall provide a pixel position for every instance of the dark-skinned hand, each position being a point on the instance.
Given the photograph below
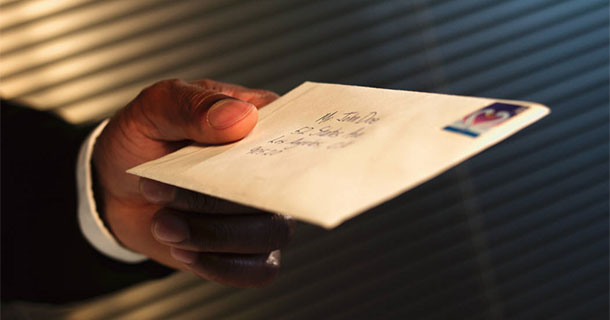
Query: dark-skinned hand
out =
(213, 238)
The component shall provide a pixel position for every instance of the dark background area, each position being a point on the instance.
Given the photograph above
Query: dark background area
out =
(517, 232)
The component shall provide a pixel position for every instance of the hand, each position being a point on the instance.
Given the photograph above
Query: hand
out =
(216, 239)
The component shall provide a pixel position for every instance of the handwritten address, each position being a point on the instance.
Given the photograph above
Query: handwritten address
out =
(334, 130)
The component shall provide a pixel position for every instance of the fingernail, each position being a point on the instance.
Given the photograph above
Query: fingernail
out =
(169, 228)
(157, 192)
(228, 112)
(184, 256)
(273, 258)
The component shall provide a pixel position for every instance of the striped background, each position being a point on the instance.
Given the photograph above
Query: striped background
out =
(518, 232)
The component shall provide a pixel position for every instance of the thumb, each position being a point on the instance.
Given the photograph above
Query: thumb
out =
(174, 110)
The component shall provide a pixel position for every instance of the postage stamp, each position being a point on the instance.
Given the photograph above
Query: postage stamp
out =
(484, 119)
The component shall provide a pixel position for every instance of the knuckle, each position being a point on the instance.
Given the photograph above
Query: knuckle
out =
(215, 268)
(194, 103)
(222, 232)
(269, 94)
(200, 203)
(207, 83)
(159, 88)
(168, 83)
(202, 242)
(211, 237)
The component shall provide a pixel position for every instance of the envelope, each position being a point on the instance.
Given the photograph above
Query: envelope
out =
(324, 153)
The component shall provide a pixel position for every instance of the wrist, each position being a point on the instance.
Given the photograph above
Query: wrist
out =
(98, 197)
(91, 224)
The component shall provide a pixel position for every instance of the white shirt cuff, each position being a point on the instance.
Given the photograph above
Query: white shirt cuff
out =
(91, 225)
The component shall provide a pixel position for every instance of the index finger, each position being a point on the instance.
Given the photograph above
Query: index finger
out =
(187, 200)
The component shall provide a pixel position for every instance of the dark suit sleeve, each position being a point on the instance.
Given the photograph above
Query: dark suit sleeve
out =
(45, 257)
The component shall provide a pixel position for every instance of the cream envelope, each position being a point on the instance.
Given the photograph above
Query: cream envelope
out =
(324, 153)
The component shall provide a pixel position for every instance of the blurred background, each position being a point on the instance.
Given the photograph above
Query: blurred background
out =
(517, 232)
